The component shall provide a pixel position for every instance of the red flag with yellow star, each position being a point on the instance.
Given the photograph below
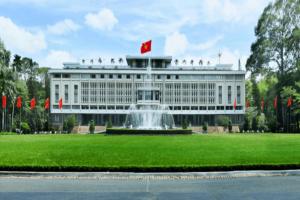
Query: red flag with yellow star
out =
(146, 47)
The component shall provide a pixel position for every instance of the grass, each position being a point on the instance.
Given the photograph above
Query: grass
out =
(149, 153)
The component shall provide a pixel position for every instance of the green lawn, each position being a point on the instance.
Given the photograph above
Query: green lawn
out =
(180, 152)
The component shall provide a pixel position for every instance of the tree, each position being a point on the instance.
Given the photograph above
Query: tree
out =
(92, 127)
(229, 126)
(277, 33)
(277, 45)
(204, 127)
(69, 124)
(109, 123)
(223, 121)
(184, 123)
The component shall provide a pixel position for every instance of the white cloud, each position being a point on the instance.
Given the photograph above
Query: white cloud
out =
(56, 58)
(232, 11)
(177, 44)
(63, 27)
(20, 40)
(103, 20)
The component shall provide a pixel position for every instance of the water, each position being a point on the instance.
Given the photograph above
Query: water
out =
(149, 117)
(149, 114)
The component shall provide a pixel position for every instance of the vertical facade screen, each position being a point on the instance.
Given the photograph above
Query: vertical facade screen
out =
(229, 95)
(75, 93)
(56, 93)
(220, 94)
(66, 93)
(238, 92)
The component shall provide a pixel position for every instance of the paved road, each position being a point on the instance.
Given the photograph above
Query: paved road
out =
(143, 187)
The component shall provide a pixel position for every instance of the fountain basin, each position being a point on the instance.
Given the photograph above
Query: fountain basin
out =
(127, 131)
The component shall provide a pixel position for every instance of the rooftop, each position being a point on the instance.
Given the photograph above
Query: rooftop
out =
(138, 62)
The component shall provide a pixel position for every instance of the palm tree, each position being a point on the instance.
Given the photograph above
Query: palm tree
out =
(99, 60)
(184, 61)
(208, 62)
(92, 61)
(83, 61)
(192, 62)
(17, 63)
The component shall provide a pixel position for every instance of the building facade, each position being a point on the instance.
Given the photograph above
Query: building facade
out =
(195, 92)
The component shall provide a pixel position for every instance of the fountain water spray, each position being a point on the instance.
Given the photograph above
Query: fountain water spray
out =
(148, 113)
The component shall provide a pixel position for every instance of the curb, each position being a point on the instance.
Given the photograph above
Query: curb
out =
(146, 176)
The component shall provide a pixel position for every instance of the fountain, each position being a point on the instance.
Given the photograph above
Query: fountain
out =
(148, 113)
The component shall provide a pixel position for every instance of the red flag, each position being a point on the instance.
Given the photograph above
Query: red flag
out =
(146, 47)
(3, 101)
(32, 103)
(275, 102)
(289, 102)
(262, 104)
(19, 102)
(247, 103)
(60, 103)
(234, 104)
(47, 104)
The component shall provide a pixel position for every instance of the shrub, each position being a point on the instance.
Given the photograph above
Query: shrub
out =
(184, 124)
(69, 124)
(25, 128)
(204, 127)
(229, 126)
(223, 121)
(92, 127)
(254, 123)
(109, 123)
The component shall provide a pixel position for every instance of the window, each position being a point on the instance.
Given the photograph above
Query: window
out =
(111, 76)
(119, 76)
(158, 77)
(84, 92)
(168, 76)
(56, 75)
(220, 94)
(128, 76)
(238, 92)
(93, 75)
(177, 77)
(56, 93)
(229, 95)
(66, 94)
(75, 93)
(138, 76)
(66, 75)
(102, 76)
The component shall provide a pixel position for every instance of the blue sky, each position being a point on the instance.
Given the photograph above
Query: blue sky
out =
(52, 32)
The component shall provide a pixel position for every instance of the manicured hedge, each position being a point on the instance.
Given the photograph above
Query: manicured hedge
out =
(149, 169)
(125, 131)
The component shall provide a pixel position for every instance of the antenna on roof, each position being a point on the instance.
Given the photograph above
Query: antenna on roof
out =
(219, 55)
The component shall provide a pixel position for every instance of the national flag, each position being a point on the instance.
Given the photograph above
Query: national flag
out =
(234, 104)
(3, 101)
(60, 103)
(275, 102)
(262, 104)
(289, 102)
(19, 102)
(47, 104)
(146, 47)
(32, 103)
(247, 103)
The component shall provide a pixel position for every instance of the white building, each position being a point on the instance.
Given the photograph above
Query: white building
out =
(199, 93)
